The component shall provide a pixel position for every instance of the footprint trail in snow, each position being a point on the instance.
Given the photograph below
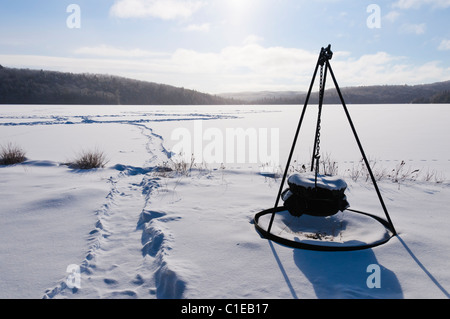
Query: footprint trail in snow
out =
(128, 245)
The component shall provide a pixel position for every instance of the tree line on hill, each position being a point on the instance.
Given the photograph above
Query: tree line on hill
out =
(381, 94)
(25, 86)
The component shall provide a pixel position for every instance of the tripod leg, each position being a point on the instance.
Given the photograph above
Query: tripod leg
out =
(361, 149)
(293, 147)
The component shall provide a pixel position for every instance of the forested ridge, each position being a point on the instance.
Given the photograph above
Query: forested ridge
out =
(25, 86)
(379, 94)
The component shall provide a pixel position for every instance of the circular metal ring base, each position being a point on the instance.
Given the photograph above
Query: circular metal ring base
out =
(308, 246)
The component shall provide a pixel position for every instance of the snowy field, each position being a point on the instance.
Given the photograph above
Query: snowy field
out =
(135, 229)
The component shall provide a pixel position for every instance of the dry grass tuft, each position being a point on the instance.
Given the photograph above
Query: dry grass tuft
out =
(89, 160)
(11, 154)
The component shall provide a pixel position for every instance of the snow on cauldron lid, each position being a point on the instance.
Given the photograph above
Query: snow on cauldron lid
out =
(332, 183)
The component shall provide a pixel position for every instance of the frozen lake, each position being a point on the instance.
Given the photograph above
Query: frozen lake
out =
(136, 232)
(390, 134)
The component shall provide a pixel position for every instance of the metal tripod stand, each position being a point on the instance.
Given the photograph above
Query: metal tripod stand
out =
(323, 63)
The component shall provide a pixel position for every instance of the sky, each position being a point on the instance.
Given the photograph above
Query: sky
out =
(218, 46)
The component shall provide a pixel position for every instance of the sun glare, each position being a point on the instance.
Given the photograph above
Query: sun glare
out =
(241, 12)
(240, 6)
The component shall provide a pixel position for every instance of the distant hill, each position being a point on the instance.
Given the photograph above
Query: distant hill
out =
(24, 86)
(263, 95)
(380, 94)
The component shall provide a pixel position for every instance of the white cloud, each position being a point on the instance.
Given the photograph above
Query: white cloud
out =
(248, 67)
(113, 52)
(383, 68)
(445, 45)
(253, 39)
(417, 29)
(392, 16)
(416, 4)
(163, 9)
(204, 27)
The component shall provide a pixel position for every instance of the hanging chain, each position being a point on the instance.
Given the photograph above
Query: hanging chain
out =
(319, 121)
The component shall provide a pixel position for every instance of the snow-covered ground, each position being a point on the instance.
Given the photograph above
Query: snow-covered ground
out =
(135, 231)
